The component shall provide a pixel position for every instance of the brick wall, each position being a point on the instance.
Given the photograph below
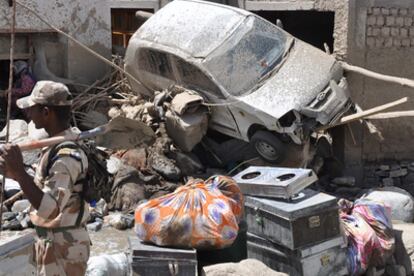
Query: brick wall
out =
(390, 28)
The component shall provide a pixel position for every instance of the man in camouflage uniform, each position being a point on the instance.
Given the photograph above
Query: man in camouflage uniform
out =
(58, 211)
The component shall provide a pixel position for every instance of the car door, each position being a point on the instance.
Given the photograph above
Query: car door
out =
(191, 77)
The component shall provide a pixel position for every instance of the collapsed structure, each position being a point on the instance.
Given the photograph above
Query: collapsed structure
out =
(359, 32)
(377, 35)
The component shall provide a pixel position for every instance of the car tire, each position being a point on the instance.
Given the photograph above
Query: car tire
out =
(268, 146)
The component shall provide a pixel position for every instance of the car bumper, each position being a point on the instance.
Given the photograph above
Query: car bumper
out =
(329, 106)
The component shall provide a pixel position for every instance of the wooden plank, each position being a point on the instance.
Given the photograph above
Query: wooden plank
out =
(378, 76)
(390, 115)
(364, 114)
(372, 111)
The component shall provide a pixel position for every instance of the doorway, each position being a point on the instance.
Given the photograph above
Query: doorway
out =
(313, 27)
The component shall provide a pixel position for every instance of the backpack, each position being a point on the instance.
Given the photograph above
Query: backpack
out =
(96, 183)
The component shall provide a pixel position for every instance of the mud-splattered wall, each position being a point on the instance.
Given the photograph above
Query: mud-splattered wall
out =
(88, 21)
(380, 39)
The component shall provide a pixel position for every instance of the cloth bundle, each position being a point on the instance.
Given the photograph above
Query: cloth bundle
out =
(201, 215)
(368, 227)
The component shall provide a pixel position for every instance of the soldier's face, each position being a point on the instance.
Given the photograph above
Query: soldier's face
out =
(37, 115)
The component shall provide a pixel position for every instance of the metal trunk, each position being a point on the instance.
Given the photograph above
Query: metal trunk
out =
(148, 260)
(309, 218)
(323, 259)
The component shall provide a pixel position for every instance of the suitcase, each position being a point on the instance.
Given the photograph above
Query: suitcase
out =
(309, 218)
(148, 260)
(274, 182)
(322, 259)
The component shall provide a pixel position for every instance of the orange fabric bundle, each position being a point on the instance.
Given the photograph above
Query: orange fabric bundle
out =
(197, 215)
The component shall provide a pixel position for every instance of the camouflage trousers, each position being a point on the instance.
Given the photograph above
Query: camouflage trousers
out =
(62, 253)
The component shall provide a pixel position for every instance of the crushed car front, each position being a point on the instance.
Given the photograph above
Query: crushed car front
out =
(289, 85)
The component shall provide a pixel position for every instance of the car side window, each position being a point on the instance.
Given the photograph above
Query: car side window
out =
(156, 67)
(195, 79)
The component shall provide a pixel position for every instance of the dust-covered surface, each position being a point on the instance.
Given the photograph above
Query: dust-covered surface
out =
(16, 253)
(407, 237)
(106, 241)
(109, 241)
(6, 235)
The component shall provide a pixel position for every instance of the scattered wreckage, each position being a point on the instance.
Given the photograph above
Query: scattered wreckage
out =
(271, 96)
(261, 84)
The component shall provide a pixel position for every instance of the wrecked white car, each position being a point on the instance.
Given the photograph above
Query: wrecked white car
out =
(264, 85)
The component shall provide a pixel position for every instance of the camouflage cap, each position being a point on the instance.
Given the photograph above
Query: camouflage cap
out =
(47, 93)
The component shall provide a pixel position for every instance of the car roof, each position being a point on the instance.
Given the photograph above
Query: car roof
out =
(194, 27)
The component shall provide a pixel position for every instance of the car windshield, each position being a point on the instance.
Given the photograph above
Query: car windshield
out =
(251, 52)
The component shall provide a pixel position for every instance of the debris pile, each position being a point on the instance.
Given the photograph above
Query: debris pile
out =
(135, 174)
(399, 174)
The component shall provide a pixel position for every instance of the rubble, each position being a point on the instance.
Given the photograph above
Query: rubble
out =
(344, 181)
(248, 267)
(20, 206)
(180, 119)
(18, 129)
(121, 221)
(400, 201)
(115, 264)
(404, 245)
(95, 226)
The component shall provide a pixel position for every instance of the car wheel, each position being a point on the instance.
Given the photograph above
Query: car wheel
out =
(268, 146)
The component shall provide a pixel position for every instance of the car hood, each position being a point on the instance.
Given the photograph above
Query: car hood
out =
(305, 72)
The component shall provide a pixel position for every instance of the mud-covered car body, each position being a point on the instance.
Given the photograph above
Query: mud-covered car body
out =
(255, 75)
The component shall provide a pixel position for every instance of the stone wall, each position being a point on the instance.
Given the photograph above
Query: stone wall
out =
(390, 27)
(380, 39)
(88, 21)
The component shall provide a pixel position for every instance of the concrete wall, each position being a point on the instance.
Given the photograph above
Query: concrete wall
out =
(381, 38)
(88, 21)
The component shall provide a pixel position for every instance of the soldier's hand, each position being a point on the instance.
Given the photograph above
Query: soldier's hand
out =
(11, 160)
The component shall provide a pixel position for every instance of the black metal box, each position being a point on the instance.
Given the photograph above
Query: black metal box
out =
(322, 259)
(311, 217)
(149, 260)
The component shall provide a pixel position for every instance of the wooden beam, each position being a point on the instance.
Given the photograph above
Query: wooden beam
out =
(390, 115)
(378, 76)
(364, 114)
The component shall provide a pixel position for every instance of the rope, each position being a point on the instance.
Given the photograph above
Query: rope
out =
(12, 36)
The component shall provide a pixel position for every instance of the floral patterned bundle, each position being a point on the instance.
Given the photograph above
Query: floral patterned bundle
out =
(201, 215)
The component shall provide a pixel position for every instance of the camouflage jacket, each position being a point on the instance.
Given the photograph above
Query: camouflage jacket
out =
(61, 202)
